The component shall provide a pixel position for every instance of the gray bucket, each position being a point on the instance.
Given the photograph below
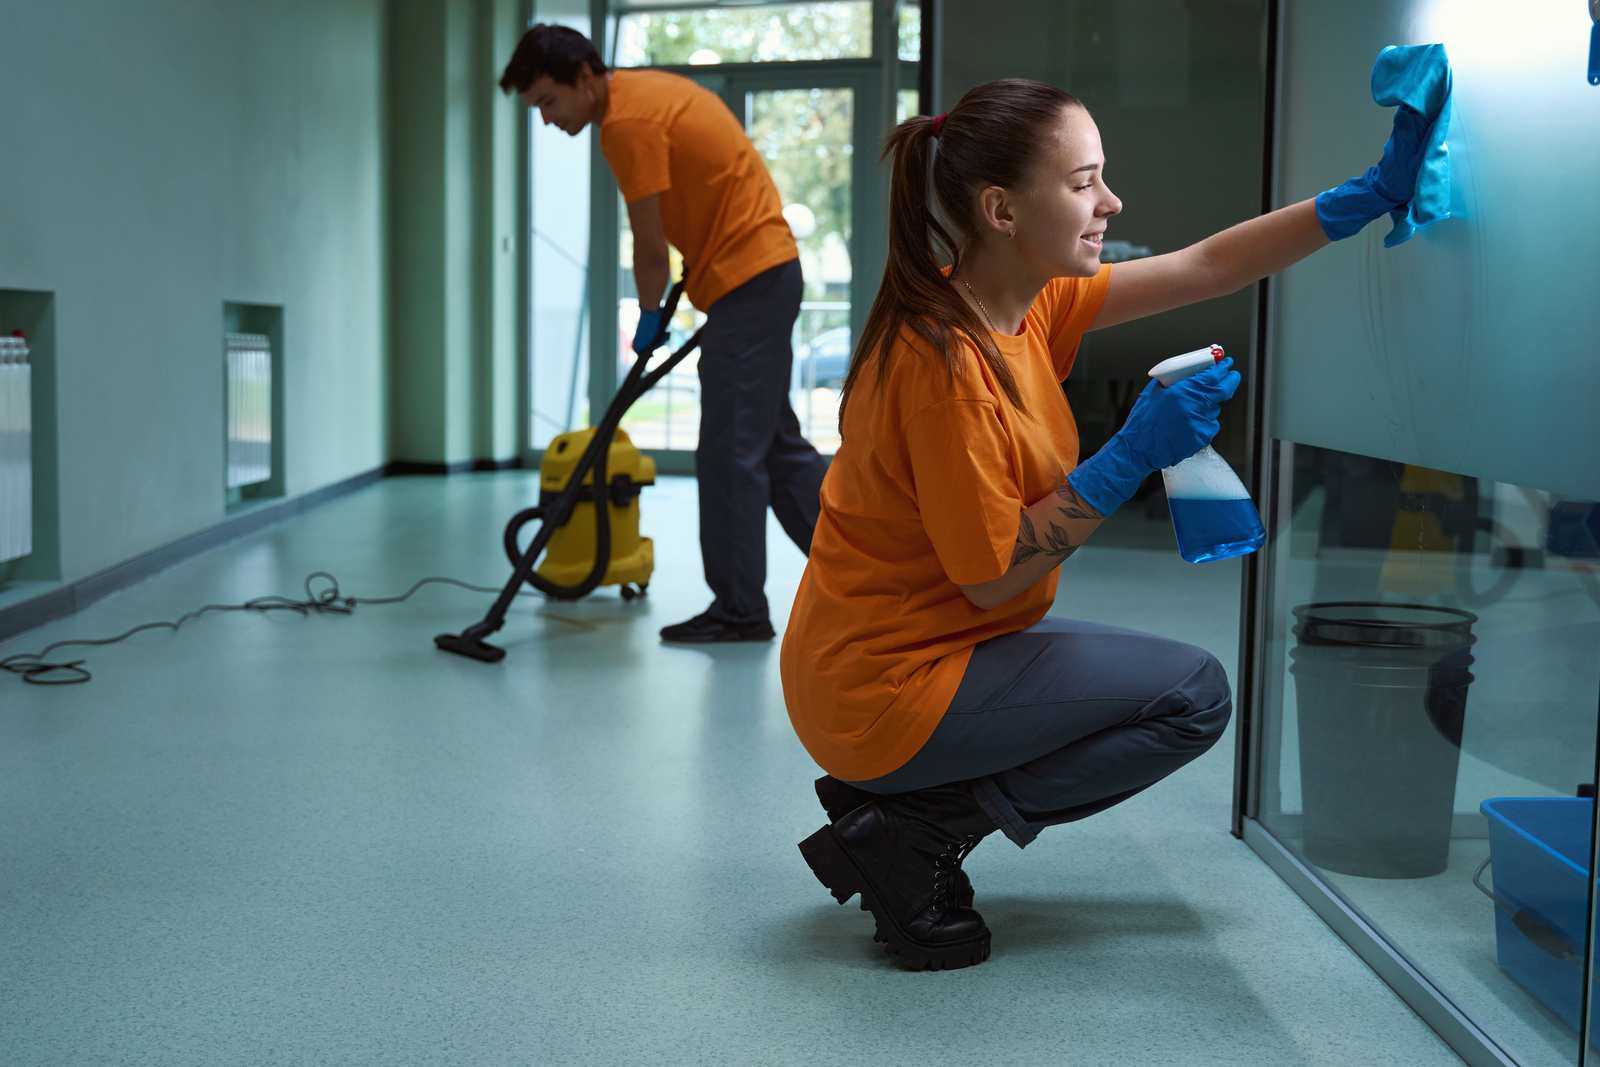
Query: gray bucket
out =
(1382, 693)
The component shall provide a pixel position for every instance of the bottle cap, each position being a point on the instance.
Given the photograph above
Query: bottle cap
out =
(1178, 368)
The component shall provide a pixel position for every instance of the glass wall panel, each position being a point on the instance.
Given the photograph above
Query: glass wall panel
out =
(1433, 678)
(1429, 686)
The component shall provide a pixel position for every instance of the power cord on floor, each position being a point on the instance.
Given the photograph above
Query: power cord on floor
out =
(35, 669)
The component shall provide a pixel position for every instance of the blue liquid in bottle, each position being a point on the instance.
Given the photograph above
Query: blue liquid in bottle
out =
(1209, 530)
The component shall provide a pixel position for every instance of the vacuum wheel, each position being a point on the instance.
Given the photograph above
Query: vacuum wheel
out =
(633, 592)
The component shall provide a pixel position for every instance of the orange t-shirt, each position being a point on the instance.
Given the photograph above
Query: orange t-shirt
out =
(925, 495)
(664, 134)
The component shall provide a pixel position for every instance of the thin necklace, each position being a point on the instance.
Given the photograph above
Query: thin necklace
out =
(981, 308)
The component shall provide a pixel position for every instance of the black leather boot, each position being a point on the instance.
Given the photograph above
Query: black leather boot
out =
(901, 854)
(840, 798)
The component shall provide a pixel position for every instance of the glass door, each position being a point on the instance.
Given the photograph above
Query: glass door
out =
(805, 135)
(805, 130)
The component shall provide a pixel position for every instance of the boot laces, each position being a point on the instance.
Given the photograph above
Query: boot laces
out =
(945, 864)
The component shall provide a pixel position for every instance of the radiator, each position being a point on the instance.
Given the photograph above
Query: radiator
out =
(249, 374)
(16, 449)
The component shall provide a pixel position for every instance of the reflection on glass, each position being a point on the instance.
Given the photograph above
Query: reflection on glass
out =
(1433, 683)
(768, 33)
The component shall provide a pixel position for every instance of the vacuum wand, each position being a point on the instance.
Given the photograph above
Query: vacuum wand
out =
(471, 641)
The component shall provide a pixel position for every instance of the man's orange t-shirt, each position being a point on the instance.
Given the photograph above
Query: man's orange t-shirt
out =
(663, 134)
(926, 495)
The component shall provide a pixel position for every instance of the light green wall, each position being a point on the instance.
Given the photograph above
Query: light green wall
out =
(454, 228)
(417, 229)
(505, 157)
(348, 160)
(166, 157)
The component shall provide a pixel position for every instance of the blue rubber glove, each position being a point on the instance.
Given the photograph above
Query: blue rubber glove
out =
(1167, 425)
(1412, 180)
(644, 337)
(1345, 209)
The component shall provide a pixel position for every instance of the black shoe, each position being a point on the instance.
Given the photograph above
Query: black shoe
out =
(900, 853)
(705, 630)
(841, 798)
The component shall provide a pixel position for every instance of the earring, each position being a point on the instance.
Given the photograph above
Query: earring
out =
(1012, 233)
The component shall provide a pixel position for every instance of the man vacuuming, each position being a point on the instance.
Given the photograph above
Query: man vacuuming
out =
(691, 178)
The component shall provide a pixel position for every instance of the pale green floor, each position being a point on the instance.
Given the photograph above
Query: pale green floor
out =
(285, 840)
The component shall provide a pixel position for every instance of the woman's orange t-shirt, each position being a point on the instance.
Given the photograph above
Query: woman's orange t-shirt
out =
(926, 495)
(664, 135)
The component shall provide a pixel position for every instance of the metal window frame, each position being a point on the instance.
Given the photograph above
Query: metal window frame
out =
(1266, 462)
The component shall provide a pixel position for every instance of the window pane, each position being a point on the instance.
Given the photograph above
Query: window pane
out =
(767, 34)
(905, 105)
(910, 32)
(804, 135)
(667, 417)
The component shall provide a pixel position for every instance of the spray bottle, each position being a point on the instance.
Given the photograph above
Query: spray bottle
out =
(1212, 514)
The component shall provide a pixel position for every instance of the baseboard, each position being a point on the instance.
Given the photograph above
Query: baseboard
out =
(1464, 825)
(73, 597)
(465, 466)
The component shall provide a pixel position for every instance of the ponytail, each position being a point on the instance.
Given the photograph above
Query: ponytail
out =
(991, 137)
(916, 290)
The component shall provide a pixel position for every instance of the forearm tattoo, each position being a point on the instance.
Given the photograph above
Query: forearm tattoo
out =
(1055, 542)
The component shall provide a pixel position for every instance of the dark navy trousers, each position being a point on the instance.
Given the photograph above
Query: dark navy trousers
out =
(751, 454)
(1066, 719)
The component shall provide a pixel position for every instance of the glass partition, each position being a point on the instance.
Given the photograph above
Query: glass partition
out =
(1425, 672)
(1431, 680)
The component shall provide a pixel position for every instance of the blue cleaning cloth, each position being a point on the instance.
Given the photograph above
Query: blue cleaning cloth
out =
(1417, 78)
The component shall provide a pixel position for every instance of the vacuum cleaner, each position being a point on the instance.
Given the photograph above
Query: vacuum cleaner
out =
(589, 485)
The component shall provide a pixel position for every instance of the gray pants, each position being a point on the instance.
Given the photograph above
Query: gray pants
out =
(751, 453)
(1066, 719)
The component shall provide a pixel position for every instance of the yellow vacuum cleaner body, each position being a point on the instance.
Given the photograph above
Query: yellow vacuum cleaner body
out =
(570, 555)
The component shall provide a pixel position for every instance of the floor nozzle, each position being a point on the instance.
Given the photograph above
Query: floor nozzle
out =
(471, 647)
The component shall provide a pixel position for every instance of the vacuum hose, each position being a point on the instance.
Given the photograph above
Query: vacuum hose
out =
(471, 641)
(556, 516)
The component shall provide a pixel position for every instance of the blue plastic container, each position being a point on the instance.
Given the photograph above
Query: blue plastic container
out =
(1540, 852)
